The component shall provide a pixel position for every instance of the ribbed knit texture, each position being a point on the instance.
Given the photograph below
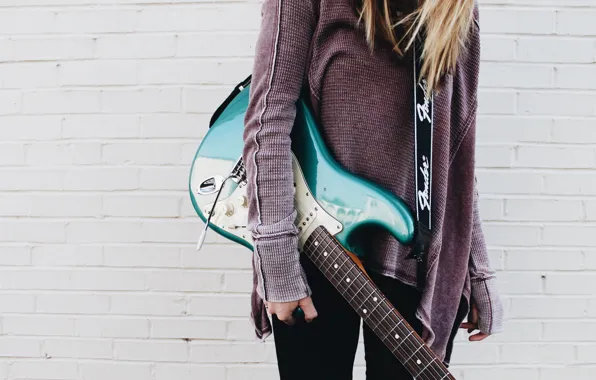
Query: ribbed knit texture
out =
(364, 104)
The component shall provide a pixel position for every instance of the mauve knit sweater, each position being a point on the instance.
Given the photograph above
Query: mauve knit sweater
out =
(363, 102)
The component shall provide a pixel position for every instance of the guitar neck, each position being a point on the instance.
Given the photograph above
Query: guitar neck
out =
(374, 308)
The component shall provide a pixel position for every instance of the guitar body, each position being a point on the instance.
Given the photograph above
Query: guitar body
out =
(351, 201)
(332, 205)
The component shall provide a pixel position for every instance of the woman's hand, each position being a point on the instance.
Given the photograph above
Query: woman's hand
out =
(284, 310)
(472, 325)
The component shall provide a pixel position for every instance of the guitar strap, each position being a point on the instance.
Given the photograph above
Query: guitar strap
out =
(423, 134)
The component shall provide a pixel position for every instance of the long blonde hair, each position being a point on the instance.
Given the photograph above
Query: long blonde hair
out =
(444, 23)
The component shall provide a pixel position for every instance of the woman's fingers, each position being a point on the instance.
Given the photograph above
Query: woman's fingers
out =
(310, 313)
(478, 337)
(468, 325)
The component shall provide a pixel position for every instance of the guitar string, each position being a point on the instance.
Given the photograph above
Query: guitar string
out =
(430, 357)
(380, 325)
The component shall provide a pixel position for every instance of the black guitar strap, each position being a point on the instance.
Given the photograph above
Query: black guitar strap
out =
(423, 132)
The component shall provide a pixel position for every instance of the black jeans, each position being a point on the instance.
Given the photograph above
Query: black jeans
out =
(325, 348)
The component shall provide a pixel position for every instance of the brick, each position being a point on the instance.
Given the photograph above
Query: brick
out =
(141, 100)
(520, 330)
(576, 22)
(519, 283)
(575, 131)
(98, 73)
(543, 259)
(217, 256)
(177, 281)
(466, 354)
(497, 102)
(570, 284)
(114, 371)
(100, 126)
(73, 304)
(547, 156)
(63, 205)
(170, 178)
(556, 104)
(497, 48)
(174, 125)
(492, 373)
(15, 255)
(150, 206)
(238, 282)
(17, 303)
(561, 183)
(30, 127)
(576, 77)
(95, 21)
(15, 205)
(151, 351)
(555, 50)
(184, 371)
(538, 307)
(241, 330)
(77, 348)
(10, 102)
(246, 372)
(66, 255)
(37, 325)
(229, 353)
(44, 370)
(512, 235)
(29, 75)
(213, 72)
(150, 304)
(536, 354)
(490, 156)
(188, 329)
(569, 235)
(203, 99)
(134, 46)
(105, 231)
(586, 353)
(143, 153)
(564, 331)
(42, 154)
(72, 101)
(112, 327)
(101, 178)
(576, 373)
(32, 231)
(26, 22)
(531, 210)
(518, 21)
(19, 347)
(171, 231)
(142, 256)
(513, 129)
(224, 305)
(53, 48)
(499, 74)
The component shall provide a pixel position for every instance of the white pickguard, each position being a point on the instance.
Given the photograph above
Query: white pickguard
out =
(231, 212)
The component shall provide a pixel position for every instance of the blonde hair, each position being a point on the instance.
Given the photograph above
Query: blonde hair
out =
(444, 24)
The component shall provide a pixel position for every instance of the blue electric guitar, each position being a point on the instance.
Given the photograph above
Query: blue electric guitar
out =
(331, 204)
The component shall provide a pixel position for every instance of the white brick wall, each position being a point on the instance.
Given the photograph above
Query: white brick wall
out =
(102, 104)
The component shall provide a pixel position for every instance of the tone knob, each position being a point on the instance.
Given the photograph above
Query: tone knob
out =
(227, 209)
(243, 201)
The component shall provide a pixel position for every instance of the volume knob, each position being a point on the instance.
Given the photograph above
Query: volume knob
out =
(227, 209)
(243, 201)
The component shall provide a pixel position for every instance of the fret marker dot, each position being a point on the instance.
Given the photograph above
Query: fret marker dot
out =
(364, 311)
(418, 361)
(325, 254)
(396, 336)
(316, 243)
(336, 266)
(347, 280)
(375, 299)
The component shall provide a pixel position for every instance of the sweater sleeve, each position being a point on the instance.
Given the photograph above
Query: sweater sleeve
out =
(483, 279)
(279, 70)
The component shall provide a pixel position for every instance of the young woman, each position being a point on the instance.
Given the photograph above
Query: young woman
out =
(354, 60)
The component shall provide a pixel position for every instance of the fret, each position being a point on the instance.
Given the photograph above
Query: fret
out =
(377, 312)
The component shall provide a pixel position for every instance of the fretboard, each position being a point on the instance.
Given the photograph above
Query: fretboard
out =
(374, 308)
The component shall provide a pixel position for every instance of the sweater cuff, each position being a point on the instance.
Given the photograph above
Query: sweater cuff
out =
(490, 308)
(280, 275)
